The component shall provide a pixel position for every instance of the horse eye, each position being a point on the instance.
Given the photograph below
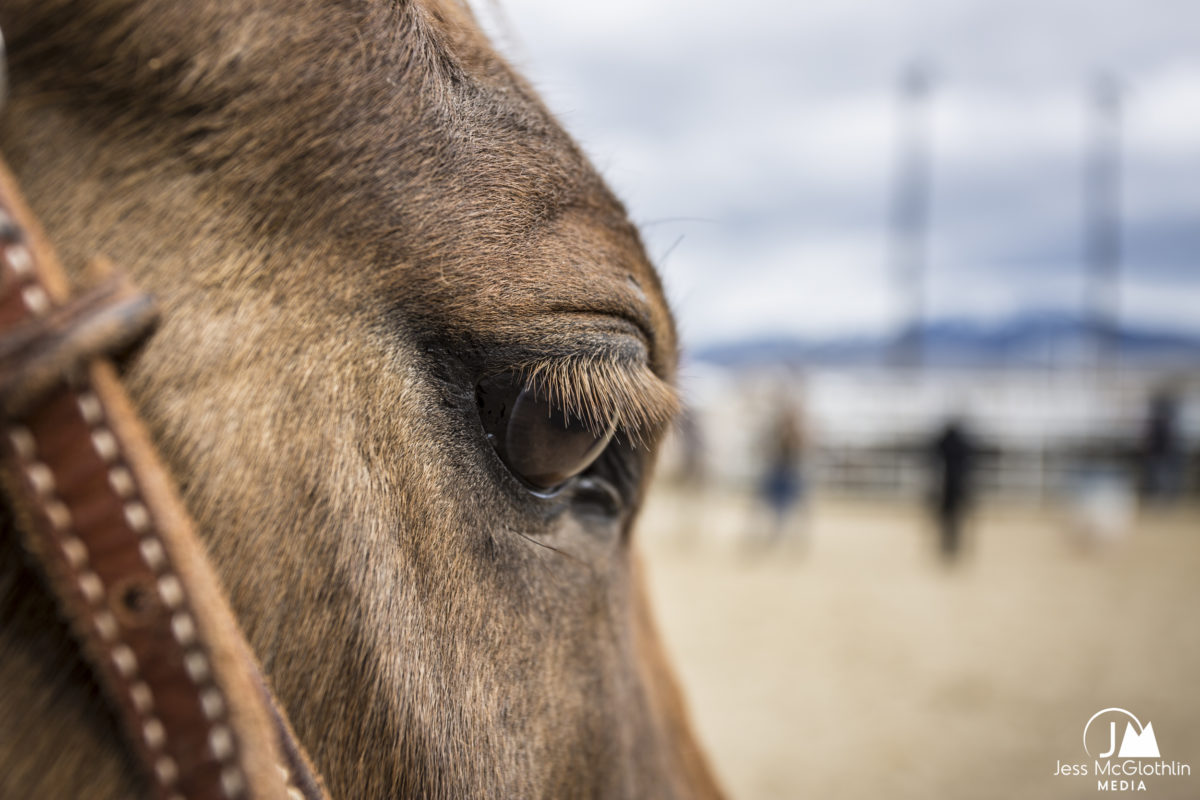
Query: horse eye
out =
(539, 442)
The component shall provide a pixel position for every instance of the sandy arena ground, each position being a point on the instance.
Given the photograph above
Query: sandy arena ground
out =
(860, 667)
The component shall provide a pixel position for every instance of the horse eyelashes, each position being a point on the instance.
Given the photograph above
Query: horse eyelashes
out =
(542, 444)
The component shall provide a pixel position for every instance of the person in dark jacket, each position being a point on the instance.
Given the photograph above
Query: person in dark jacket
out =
(953, 454)
(1163, 455)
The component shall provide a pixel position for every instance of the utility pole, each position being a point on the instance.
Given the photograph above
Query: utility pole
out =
(910, 213)
(1102, 209)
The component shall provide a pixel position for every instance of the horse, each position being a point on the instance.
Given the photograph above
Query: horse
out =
(411, 374)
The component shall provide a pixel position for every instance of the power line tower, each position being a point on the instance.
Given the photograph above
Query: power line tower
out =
(910, 213)
(1102, 226)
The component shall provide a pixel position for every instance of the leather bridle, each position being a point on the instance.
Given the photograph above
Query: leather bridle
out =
(101, 519)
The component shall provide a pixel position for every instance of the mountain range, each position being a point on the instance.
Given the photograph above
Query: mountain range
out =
(1044, 339)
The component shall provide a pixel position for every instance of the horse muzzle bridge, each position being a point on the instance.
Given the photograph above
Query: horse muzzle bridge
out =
(99, 515)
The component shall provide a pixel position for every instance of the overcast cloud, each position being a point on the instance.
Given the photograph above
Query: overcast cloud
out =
(764, 134)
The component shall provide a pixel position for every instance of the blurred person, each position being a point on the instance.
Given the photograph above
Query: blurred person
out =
(781, 486)
(1162, 451)
(691, 445)
(953, 456)
(691, 476)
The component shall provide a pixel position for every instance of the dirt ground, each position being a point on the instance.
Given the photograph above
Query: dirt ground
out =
(858, 666)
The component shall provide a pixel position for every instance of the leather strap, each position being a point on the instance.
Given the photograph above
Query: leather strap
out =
(99, 514)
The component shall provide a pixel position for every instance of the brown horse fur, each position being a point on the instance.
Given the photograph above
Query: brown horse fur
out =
(351, 213)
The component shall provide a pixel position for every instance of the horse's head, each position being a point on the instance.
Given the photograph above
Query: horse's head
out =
(411, 372)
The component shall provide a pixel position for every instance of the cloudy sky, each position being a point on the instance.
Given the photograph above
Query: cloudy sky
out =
(756, 143)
